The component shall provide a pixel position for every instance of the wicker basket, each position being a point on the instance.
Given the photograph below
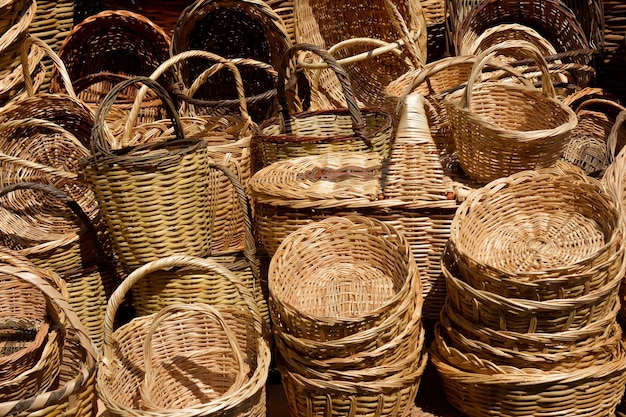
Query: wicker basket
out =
(149, 189)
(63, 239)
(488, 309)
(325, 286)
(592, 391)
(117, 42)
(500, 128)
(32, 333)
(473, 354)
(588, 147)
(413, 196)
(401, 24)
(560, 235)
(315, 132)
(73, 392)
(122, 372)
(233, 29)
(554, 19)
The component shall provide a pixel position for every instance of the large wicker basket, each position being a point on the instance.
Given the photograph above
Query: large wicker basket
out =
(186, 338)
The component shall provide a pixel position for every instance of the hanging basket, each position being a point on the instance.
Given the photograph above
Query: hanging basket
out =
(316, 132)
(128, 389)
(500, 128)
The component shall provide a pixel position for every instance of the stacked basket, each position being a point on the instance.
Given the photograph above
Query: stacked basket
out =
(533, 271)
(345, 300)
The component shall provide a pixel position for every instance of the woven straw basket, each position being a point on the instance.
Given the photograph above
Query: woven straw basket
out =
(315, 132)
(377, 42)
(62, 239)
(552, 226)
(182, 339)
(588, 147)
(153, 197)
(501, 128)
(233, 29)
(32, 334)
(109, 45)
(73, 392)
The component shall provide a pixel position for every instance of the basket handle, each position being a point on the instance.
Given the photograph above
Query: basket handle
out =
(167, 263)
(358, 123)
(611, 142)
(44, 124)
(83, 83)
(445, 63)
(527, 47)
(28, 80)
(601, 102)
(400, 25)
(99, 142)
(191, 91)
(103, 258)
(207, 310)
(47, 399)
(177, 59)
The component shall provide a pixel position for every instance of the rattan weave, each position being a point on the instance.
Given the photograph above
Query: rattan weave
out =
(153, 197)
(233, 29)
(73, 392)
(307, 133)
(122, 367)
(500, 128)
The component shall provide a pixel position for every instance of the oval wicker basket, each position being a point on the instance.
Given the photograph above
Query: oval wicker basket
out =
(73, 392)
(500, 128)
(122, 367)
(592, 391)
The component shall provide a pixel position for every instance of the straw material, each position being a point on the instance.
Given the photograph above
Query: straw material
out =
(153, 197)
(614, 47)
(233, 29)
(592, 391)
(475, 43)
(109, 44)
(368, 286)
(500, 128)
(544, 245)
(32, 334)
(383, 40)
(588, 147)
(73, 392)
(63, 239)
(315, 132)
(128, 389)
(412, 195)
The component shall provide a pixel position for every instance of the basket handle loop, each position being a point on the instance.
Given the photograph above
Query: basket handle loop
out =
(88, 80)
(168, 263)
(524, 46)
(611, 143)
(358, 123)
(209, 311)
(103, 258)
(601, 102)
(26, 71)
(186, 55)
(99, 143)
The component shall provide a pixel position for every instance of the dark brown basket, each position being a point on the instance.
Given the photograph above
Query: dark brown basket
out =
(232, 29)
